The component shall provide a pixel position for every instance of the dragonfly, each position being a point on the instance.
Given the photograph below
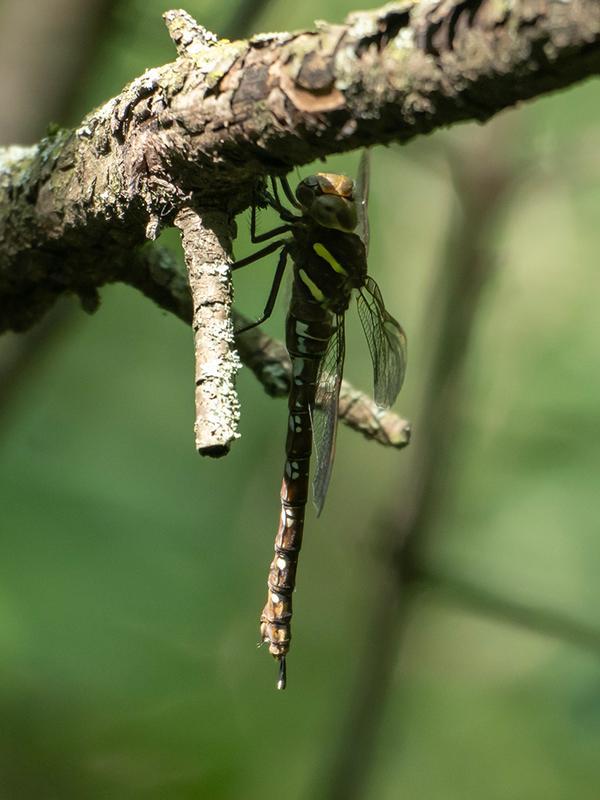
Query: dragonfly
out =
(326, 237)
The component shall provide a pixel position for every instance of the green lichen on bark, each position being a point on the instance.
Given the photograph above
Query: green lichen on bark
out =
(225, 114)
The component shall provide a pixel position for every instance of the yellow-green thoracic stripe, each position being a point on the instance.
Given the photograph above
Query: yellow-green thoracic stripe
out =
(322, 251)
(312, 286)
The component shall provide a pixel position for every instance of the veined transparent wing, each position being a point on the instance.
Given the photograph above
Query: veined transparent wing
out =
(387, 344)
(325, 413)
(361, 198)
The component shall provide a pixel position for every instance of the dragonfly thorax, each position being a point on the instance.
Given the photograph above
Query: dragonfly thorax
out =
(329, 264)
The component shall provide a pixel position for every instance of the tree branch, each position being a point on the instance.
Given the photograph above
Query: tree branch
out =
(205, 127)
(198, 133)
(206, 240)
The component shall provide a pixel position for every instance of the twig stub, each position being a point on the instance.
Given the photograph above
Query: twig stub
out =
(206, 240)
(188, 36)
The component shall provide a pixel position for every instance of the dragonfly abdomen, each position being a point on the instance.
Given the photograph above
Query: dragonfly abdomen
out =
(307, 342)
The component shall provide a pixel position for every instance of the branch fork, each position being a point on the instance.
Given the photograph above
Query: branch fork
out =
(199, 132)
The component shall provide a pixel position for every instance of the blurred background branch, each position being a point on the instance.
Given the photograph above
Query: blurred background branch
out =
(45, 50)
(244, 20)
(483, 188)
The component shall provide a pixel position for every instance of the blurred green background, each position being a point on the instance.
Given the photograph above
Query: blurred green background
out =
(132, 572)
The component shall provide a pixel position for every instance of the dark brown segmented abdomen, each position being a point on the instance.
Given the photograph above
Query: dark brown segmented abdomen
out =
(306, 342)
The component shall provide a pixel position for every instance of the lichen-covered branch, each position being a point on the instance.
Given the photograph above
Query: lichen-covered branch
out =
(206, 240)
(362, 414)
(201, 130)
(270, 362)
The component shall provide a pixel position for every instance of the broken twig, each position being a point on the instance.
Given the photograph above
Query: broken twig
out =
(206, 240)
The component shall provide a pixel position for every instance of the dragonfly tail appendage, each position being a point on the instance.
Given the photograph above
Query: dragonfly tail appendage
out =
(282, 679)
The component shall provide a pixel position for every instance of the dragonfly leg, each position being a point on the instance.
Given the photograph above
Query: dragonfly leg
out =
(276, 192)
(276, 203)
(264, 251)
(256, 238)
(289, 193)
(272, 294)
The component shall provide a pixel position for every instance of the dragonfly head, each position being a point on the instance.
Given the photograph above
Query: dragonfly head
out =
(329, 200)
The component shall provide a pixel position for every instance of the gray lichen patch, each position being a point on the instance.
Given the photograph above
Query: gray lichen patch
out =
(15, 160)
(203, 129)
(206, 241)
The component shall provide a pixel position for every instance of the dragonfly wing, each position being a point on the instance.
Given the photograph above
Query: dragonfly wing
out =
(387, 344)
(325, 413)
(361, 198)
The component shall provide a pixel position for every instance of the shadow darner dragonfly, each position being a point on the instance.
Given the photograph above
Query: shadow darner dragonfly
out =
(327, 238)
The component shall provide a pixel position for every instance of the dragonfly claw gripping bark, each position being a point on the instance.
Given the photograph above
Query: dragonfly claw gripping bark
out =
(327, 238)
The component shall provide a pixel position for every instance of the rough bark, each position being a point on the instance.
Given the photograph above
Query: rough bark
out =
(206, 240)
(198, 134)
(206, 126)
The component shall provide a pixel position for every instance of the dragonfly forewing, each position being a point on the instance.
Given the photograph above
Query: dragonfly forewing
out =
(361, 200)
(326, 411)
(387, 344)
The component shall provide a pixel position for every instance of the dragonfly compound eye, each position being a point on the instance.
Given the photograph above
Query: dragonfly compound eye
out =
(332, 211)
(307, 190)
